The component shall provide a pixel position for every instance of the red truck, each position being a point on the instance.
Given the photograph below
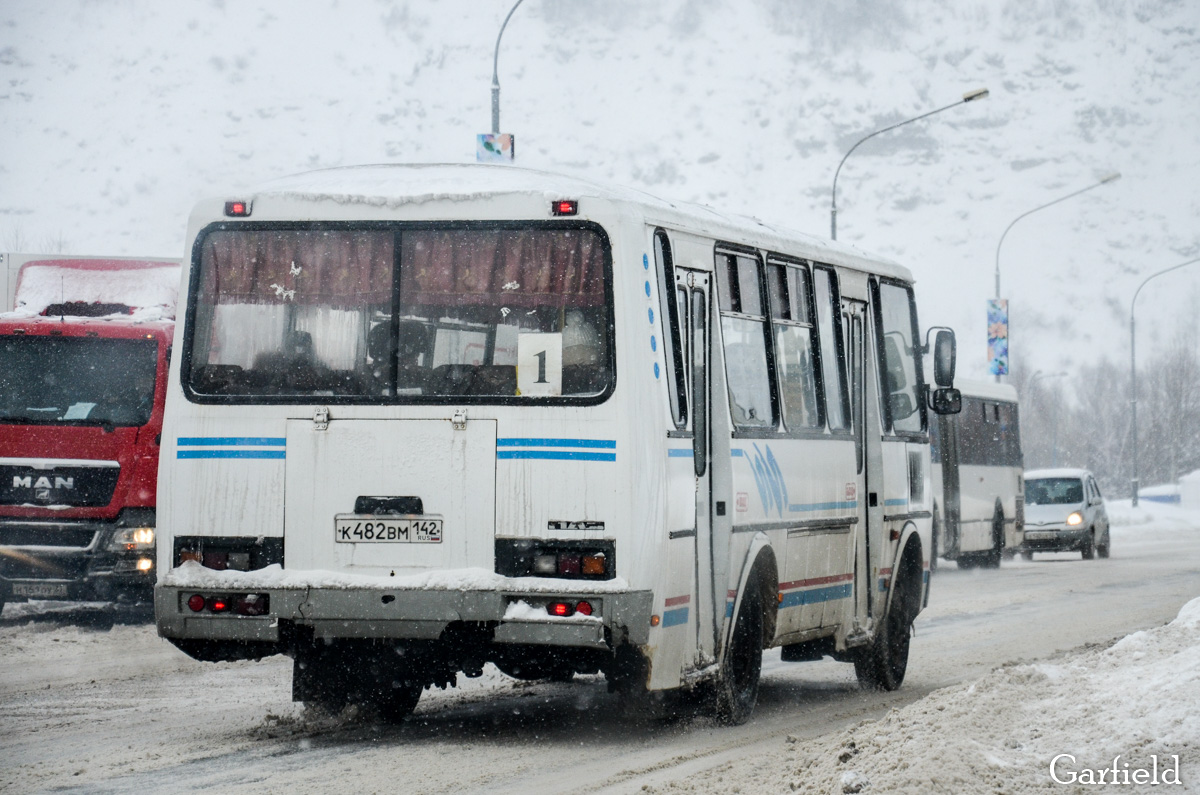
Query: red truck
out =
(83, 363)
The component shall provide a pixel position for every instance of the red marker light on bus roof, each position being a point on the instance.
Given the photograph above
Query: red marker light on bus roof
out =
(564, 207)
(237, 209)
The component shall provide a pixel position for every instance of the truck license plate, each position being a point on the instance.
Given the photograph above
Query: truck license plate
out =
(40, 590)
(387, 529)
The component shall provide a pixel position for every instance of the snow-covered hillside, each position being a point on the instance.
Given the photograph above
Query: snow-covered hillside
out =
(116, 116)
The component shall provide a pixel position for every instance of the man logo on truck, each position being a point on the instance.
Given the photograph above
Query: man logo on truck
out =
(43, 482)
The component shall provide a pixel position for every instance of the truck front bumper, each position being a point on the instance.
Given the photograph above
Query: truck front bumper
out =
(71, 561)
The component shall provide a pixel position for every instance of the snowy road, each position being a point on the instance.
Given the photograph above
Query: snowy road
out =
(87, 707)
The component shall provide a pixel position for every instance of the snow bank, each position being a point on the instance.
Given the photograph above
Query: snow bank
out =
(1136, 699)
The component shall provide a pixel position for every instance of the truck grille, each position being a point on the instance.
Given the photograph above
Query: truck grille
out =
(46, 536)
(81, 486)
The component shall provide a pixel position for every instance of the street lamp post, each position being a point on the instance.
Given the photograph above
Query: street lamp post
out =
(1133, 383)
(496, 71)
(970, 96)
(1104, 181)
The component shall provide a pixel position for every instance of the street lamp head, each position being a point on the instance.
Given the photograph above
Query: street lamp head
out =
(971, 96)
(1113, 177)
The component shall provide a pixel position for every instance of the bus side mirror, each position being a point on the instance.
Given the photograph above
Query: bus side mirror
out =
(943, 358)
(945, 400)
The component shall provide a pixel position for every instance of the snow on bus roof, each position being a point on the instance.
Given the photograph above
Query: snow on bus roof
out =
(394, 185)
(149, 287)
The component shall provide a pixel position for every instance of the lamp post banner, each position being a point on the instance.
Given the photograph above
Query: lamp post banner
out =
(494, 147)
(997, 324)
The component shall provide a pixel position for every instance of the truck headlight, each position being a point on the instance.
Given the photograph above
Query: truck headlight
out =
(127, 539)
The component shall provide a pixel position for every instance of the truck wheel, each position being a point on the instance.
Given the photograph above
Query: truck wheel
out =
(1089, 545)
(737, 683)
(883, 664)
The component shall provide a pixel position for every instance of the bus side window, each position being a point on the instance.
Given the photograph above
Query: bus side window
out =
(790, 297)
(744, 329)
(833, 374)
(670, 317)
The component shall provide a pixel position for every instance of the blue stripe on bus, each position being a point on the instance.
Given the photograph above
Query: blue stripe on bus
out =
(231, 441)
(737, 452)
(671, 618)
(900, 501)
(827, 594)
(555, 455)
(823, 506)
(610, 444)
(680, 452)
(232, 453)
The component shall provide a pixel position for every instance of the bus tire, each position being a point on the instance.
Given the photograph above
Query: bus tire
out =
(737, 683)
(935, 541)
(882, 665)
(991, 558)
(399, 701)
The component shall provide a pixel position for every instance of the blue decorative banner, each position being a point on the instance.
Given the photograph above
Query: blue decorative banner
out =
(997, 324)
(495, 147)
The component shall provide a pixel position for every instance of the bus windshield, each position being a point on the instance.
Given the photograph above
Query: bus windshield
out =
(77, 380)
(398, 314)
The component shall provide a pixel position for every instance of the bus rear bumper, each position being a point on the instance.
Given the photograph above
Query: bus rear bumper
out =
(512, 617)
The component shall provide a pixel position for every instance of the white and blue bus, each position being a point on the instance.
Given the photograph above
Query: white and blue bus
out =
(978, 477)
(423, 418)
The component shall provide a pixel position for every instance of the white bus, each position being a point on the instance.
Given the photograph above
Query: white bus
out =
(422, 418)
(978, 475)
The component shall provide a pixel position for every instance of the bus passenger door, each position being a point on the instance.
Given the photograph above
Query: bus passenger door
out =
(692, 295)
(869, 462)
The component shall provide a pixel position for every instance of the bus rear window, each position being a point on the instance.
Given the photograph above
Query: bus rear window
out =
(399, 314)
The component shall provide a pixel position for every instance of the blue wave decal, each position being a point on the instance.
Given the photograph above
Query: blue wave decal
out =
(680, 452)
(772, 489)
(556, 449)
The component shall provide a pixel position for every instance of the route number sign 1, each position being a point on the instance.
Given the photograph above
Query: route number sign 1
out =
(539, 364)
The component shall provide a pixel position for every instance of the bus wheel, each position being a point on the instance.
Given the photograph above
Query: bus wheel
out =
(936, 542)
(737, 684)
(882, 665)
(397, 702)
(1089, 545)
(991, 558)
(1027, 554)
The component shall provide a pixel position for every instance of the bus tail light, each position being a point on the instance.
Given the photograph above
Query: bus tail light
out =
(562, 207)
(560, 609)
(584, 608)
(196, 602)
(237, 209)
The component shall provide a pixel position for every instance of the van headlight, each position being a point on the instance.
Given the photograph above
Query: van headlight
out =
(1074, 519)
(127, 539)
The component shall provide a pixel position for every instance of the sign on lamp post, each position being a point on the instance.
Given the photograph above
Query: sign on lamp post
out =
(495, 147)
(997, 326)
